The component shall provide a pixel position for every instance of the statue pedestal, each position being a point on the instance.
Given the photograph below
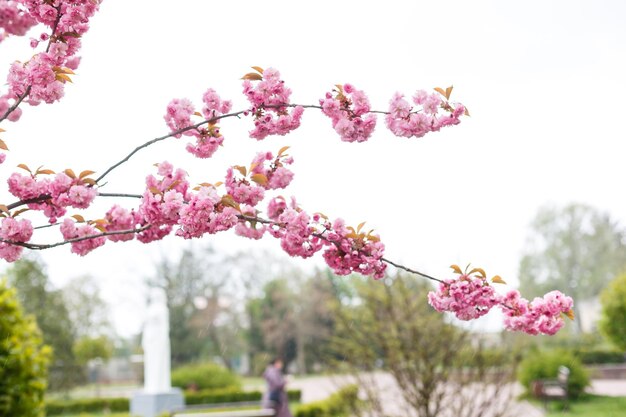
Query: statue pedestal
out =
(145, 404)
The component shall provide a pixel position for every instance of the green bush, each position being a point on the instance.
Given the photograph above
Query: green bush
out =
(23, 359)
(86, 405)
(99, 405)
(203, 376)
(231, 395)
(545, 365)
(600, 356)
(341, 403)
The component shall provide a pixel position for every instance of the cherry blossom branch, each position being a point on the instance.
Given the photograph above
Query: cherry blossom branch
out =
(27, 91)
(412, 271)
(169, 135)
(33, 200)
(16, 104)
(124, 195)
(321, 236)
(202, 123)
(40, 246)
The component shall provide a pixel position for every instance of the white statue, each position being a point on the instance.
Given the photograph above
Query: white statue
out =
(156, 345)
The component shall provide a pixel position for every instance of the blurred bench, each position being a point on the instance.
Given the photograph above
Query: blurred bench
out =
(553, 389)
(196, 410)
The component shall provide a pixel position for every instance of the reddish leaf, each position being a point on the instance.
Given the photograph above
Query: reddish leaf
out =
(259, 179)
(45, 171)
(480, 272)
(498, 280)
(25, 167)
(456, 269)
(3, 145)
(79, 218)
(70, 173)
(18, 212)
(252, 76)
(440, 91)
(241, 169)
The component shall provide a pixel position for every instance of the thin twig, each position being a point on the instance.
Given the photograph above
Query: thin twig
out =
(119, 195)
(169, 135)
(413, 271)
(202, 123)
(41, 246)
(27, 91)
(321, 236)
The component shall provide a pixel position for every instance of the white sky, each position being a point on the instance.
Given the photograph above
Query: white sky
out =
(544, 81)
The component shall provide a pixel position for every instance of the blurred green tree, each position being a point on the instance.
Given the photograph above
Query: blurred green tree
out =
(88, 348)
(24, 359)
(47, 305)
(613, 321)
(575, 249)
(87, 309)
(389, 339)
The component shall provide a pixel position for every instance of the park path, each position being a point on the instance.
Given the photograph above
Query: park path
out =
(320, 387)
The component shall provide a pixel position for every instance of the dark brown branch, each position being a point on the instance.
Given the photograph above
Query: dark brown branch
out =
(202, 123)
(119, 195)
(321, 236)
(169, 135)
(412, 271)
(27, 91)
(40, 246)
(39, 199)
(16, 104)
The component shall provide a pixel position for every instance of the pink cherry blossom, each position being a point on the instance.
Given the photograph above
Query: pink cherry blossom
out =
(247, 228)
(467, 296)
(15, 231)
(118, 219)
(269, 99)
(349, 111)
(70, 230)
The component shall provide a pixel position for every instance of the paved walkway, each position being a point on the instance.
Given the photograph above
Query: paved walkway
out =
(320, 387)
(610, 387)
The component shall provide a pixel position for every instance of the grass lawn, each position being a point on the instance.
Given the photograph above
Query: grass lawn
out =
(590, 406)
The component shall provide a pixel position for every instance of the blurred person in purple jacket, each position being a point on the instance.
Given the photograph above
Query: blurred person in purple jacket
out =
(276, 396)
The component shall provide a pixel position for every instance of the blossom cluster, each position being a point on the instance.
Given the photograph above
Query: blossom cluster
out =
(431, 114)
(208, 139)
(43, 77)
(73, 230)
(349, 111)
(470, 296)
(346, 251)
(15, 231)
(269, 99)
(543, 315)
(14, 20)
(65, 189)
(247, 186)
